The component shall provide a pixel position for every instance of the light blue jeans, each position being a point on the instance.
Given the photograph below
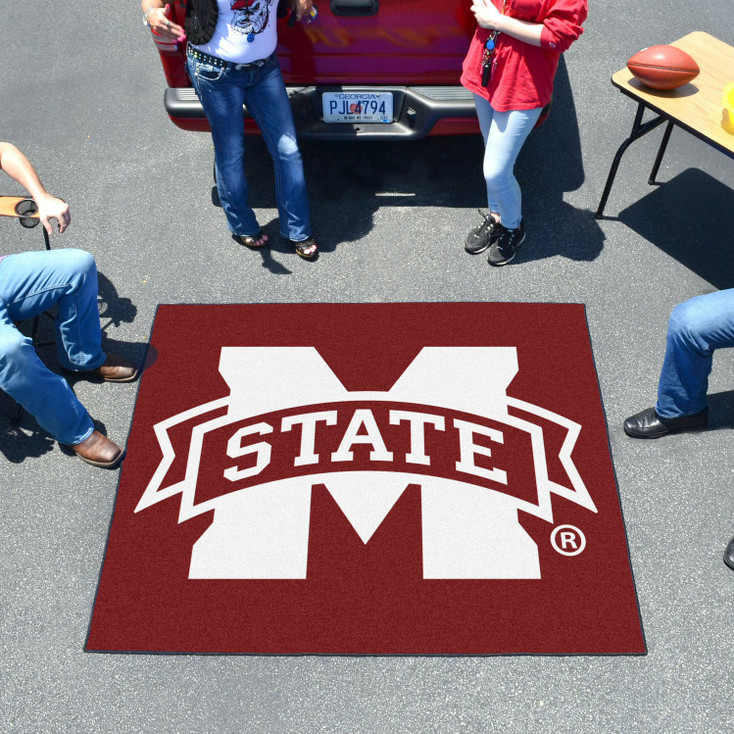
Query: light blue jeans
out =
(31, 283)
(222, 93)
(504, 134)
(697, 328)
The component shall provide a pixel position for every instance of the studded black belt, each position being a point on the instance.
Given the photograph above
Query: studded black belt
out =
(221, 63)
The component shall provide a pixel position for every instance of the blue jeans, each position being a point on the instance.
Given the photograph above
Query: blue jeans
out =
(504, 134)
(697, 328)
(31, 283)
(222, 93)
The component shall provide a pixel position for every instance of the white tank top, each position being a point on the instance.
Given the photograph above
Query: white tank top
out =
(245, 31)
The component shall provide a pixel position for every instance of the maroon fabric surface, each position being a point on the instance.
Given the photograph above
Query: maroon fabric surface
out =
(368, 598)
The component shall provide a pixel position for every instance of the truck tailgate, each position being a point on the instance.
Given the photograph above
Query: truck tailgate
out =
(378, 42)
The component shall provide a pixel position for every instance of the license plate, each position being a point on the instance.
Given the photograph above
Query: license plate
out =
(357, 106)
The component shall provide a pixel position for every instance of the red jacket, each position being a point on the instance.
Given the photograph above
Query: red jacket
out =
(522, 75)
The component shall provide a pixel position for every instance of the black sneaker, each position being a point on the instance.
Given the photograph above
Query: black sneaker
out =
(505, 247)
(480, 238)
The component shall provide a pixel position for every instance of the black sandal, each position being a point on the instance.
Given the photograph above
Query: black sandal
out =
(303, 247)
(252, 240)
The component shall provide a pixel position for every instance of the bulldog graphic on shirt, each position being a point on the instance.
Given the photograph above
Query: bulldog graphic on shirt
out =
(250, 16)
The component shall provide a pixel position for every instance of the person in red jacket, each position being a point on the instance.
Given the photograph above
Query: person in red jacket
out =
(510, 66)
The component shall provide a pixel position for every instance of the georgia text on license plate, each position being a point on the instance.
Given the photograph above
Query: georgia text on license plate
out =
(357, 106)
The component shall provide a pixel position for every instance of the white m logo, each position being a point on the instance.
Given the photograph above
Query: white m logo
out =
(469, 531)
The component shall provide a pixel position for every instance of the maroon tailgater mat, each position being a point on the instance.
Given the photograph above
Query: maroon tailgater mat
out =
(368, 479)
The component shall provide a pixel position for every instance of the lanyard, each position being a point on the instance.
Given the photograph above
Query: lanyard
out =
(488, 54)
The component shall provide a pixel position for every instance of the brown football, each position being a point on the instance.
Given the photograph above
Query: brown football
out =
(663, 67)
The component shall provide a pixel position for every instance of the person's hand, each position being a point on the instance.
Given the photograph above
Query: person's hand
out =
(160, 22)
(301, 8)
(49, 207)
(486, 14)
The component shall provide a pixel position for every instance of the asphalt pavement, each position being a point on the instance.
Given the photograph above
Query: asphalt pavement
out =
(81, 93)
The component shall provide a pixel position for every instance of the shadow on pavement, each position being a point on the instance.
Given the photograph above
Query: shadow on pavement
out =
(19, 442)
(721, 410)
(348, 181)
(113, 307)
(550, 164)
(690, 218)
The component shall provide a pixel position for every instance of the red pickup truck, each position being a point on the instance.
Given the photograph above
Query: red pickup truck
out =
(372, 69)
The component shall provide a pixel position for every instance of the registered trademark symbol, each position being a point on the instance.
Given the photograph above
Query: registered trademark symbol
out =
(568, 540)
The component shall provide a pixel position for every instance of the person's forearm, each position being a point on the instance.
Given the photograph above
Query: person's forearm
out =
(521, 29)
(148, 4)
(19, 168)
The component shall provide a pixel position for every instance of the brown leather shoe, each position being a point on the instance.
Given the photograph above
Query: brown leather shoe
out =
(98, 450)
(115, 369)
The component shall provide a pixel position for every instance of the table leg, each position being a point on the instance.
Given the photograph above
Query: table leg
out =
(661, 153)
(638, 130)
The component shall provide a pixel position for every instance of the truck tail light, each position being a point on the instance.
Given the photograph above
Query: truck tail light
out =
(164, 45)
(172, 59)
